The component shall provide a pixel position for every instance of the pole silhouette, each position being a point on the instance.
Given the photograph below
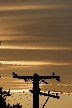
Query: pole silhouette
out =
(36, 90)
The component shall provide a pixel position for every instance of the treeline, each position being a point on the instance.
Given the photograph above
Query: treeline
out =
(3, 96)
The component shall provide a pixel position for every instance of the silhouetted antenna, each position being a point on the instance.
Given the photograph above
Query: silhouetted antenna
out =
(36, 90)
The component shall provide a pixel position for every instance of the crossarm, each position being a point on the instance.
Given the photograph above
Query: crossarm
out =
(23, 77)
(48, 77)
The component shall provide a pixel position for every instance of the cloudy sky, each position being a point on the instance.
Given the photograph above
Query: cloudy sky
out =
(36, 36)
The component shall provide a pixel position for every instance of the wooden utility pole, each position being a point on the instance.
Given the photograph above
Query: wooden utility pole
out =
(36, 91)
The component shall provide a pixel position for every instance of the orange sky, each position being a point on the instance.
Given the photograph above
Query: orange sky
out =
(36, 38)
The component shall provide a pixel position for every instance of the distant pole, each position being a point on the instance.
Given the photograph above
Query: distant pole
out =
(0, 63)
(0, 42)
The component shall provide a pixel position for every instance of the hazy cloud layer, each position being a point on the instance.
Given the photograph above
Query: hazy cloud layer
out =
(36, 37)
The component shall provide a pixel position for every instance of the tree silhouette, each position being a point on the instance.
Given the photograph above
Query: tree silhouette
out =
(3, 96)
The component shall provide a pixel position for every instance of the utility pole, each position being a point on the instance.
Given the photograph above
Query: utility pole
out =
(36, 90)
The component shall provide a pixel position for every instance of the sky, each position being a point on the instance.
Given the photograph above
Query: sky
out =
(36, 37)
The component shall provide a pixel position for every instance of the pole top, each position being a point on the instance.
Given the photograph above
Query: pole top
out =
(35, 74)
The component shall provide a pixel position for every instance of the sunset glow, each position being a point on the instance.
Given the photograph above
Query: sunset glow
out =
(34, 48)
(32, 63)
